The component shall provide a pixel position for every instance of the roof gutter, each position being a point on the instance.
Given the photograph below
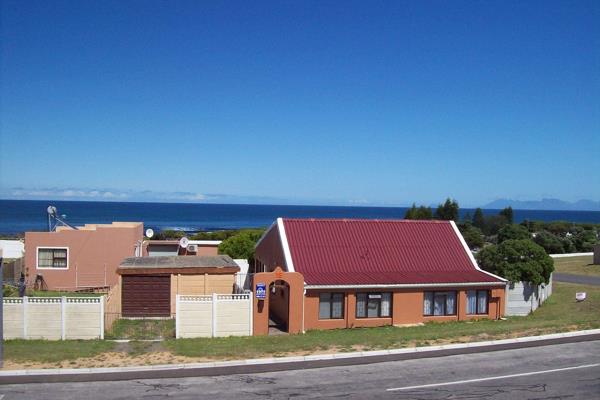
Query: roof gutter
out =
(407, 285)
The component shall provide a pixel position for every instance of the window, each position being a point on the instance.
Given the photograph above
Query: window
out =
(373, 305)
(477, 301)
(439, 303)
(331, 306)
(52, 258)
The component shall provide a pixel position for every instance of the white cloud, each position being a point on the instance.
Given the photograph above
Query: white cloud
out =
(101, 194)
(67, 194)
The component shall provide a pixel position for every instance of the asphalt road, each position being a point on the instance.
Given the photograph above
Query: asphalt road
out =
(582, 279)
(564, 371)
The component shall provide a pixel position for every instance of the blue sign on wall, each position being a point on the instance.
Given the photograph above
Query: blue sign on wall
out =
(261, 291)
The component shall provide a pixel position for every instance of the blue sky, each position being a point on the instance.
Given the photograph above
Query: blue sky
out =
(381, 103)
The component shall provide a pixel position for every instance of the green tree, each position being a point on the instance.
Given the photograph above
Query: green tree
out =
(517, 260)
(241, 245)
(559, 228)
(551, 243)
(467, 218)
(493, 224)
(418, 213)
(568, 245)
(478, 219)
(513, 232)
(472, 235)
(448, 211)
(533, 226)
(585, 240)
(508, 214)
(411, 213)
(168, 234)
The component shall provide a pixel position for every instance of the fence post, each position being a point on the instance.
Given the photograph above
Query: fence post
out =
(102, 299)
(25, 301)
(63, 317)
(214, 314)
(251, 308)
(177, 316)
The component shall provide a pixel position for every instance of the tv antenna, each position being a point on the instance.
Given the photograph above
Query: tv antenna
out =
(54, 219)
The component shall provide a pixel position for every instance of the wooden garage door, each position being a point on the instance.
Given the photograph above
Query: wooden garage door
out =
(146, 296)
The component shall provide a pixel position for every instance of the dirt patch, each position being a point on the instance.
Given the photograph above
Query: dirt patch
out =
(112, 359)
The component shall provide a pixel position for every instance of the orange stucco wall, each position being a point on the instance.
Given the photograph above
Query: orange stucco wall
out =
(407, 308)
(207, 250)
(269, 252)
(295, 282)
(407, 305)
(92, 255)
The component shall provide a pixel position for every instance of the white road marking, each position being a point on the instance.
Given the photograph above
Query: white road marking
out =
(491, 378)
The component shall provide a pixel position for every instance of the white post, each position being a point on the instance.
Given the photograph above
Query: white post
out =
(25, 301)
(177, 316)
(102, 299)
(251, 308)
(214, 314)
(63, 317)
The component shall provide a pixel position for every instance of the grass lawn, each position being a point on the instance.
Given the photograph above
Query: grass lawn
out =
(577, 266)
(46, 351)
(559, 313)
(140, 329)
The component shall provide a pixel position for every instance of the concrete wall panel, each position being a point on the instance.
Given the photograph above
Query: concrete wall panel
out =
(53, 318)
(195, 316)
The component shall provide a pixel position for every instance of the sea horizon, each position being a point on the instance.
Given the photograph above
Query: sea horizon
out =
(19, 216)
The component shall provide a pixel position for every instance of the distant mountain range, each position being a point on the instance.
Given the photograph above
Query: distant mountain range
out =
(545, 204)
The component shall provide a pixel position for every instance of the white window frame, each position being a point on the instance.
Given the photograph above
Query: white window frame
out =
(37, 255)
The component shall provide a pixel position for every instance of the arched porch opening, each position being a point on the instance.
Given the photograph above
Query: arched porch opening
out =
(282, 303)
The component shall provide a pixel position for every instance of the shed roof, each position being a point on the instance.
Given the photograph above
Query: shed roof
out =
(342, 252)
(179, 264)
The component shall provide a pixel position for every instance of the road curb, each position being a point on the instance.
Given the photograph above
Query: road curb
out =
(287, 363)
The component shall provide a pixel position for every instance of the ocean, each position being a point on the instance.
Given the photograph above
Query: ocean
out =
(17, 216)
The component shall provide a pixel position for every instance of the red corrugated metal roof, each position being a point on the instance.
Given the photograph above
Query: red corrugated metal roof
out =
(363, 252)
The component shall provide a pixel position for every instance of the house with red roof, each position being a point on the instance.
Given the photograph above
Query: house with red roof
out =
(360, 273)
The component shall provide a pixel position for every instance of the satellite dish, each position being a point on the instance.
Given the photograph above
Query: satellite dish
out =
(51, 210)
(183, 242)
(149, 233)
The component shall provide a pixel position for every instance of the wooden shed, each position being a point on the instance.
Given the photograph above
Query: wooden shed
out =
(149, 284)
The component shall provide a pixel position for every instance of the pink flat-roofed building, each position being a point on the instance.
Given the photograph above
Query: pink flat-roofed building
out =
(86, 257)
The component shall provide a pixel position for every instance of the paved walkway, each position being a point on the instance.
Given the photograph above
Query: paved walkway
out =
(581, 279)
